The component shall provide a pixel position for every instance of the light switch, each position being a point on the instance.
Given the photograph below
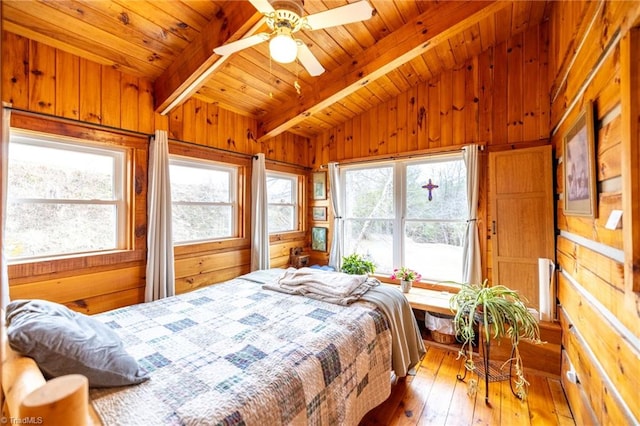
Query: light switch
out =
(614, 221)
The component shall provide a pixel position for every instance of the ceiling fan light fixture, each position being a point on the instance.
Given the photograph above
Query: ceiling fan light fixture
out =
(285, 18)
(283, 48)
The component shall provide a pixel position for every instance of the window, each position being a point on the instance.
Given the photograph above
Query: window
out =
(369, 214)
(282, 194)
(64, 197)
(204, 200)
(389, 217)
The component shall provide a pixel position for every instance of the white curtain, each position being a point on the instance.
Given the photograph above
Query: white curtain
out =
(259, 215)
(4, 158)
(160, 267)
(471, 266)
(335, 254)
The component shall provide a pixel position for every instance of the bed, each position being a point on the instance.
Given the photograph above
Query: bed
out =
(238, 353)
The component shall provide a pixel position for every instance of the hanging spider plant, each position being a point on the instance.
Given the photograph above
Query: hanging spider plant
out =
(500, 312)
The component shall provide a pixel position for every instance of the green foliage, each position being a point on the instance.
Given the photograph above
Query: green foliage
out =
(355, 264)
(497, 308)
(499, 312)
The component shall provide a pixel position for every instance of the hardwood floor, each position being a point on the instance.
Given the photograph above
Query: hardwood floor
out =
(435, 397)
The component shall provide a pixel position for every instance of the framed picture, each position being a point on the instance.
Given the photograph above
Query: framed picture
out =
(319, 213)
(319, 238)
(319, 185)
(580, 194)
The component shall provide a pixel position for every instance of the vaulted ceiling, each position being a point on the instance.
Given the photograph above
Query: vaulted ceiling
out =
(170, 42)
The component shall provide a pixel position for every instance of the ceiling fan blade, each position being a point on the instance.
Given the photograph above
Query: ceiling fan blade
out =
(308, 60)
(263, 6)
(243, 43)
(352, 12)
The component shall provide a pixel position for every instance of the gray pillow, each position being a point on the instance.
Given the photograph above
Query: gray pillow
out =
(63, 342)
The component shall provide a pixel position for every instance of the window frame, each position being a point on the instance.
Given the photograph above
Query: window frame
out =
(243, 216)
(61, 143)
(206, 164)
(295, 202)
(399, 220)
(135, 175)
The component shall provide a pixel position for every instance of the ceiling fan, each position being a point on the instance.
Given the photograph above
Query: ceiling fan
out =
(284, 17)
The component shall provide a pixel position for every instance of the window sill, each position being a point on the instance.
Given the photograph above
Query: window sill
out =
(284, 236)
(451, 288)
(40, 266)
(209, 246)
(61, 258)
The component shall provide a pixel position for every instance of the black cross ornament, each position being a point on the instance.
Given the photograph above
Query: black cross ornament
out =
(430, 187)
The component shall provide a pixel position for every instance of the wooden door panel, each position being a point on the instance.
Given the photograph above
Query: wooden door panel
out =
(519, 228)
(520, 172)
(521, 199)
(521, 276)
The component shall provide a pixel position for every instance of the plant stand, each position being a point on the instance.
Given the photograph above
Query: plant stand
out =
(491, 371)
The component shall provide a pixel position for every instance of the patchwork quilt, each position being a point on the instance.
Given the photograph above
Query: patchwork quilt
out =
(235, 354)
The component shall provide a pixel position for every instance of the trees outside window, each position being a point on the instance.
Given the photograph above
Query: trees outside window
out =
(282, 195)
(390, 219)
(369, 221)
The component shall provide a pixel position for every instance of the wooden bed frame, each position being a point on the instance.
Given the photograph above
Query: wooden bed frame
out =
(27, 395)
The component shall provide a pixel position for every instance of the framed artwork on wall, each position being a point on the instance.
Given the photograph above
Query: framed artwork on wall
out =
(580, 192)
(319, 238)
(319, 185)
(319, 213)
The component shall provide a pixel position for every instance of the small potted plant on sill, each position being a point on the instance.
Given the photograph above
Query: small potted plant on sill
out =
(406, 276)
(495, 312)
(355, 264)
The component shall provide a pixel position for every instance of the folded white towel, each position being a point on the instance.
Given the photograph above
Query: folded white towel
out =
(332, 287)
(334, 284)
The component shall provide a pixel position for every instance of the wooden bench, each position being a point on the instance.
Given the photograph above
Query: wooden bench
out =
(428, 300)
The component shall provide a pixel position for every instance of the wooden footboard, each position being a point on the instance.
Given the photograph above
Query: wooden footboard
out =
(27, 395)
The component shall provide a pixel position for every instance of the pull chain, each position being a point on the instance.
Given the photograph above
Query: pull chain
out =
(295, 83)
(271, 79)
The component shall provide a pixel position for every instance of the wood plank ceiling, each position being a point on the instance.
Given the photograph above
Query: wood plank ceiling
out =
(170, 42)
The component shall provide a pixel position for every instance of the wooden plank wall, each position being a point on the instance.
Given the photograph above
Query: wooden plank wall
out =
(497, 99)
(49, 81)
(39, 78)
(599, 307)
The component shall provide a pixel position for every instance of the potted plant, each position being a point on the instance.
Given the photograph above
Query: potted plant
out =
(355, 264)
(406, 276)
(495, 312)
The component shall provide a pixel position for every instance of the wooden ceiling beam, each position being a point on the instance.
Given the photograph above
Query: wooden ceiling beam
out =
(410, 41)
(183, 77)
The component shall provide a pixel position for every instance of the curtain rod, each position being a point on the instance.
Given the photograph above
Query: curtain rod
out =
(284, 163)
(212, 148)
(415, 154)
(240, 154)
(136, 133)
(117, 130)
(78, 122)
